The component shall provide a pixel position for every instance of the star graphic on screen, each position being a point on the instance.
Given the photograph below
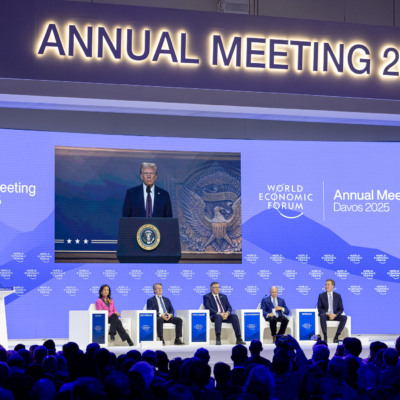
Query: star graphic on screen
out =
(86, 241)
(77, 241)
(69, 241)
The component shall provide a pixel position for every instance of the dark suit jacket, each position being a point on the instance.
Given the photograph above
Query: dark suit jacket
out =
(152, 304)
(134, 203)
(210, 303)
(267, 305)
(323, 304)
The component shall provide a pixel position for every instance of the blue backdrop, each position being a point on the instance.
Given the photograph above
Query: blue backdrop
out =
(310, 211)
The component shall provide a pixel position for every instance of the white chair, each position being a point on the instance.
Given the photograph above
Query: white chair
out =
(265, 329)
(332, 328)
(126, 323)
(168, 331)
(227, 333)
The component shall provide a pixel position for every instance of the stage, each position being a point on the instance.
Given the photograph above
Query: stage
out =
(218, 353)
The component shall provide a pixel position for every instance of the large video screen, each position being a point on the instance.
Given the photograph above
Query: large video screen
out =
(309, 211)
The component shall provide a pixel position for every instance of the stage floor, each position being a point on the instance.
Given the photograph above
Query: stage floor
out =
(218, 353)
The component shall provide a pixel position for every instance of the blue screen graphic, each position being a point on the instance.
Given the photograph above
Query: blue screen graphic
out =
(309, 211)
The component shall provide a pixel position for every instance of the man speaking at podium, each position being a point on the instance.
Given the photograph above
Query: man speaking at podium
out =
(147, 200)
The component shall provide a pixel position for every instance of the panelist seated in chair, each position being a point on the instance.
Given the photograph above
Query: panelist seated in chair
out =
(330, 308)
(221, 311)
(274, 310)
(105, 302)
(165, 313)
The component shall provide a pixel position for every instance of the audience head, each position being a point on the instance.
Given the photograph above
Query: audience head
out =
(162, 361)
(146, 370)
(3, 354)
(203, 355)
(390, 357)
(374, 347)
(352, 346)
(87, 388)
(397, 345)
(116, 386)
(320, 353)
(239, 354)
(70, 350)
(50, 346)
(337, 368)
(260, 383)
(195, 372)
(175, 368)
(39, 354)
(50, 365)
(281, 363)
(19, 347)
(368, 377)
(150, 357)
(134, 355)
(26, 355)
(255, 347)
(91, 349)
(222, 372)
(4, 371)
(179, 392)
(43, 389)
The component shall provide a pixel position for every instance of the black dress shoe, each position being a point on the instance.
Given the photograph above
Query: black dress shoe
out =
(240, 341)
(178, 341)
(218, 341)
(326, 338)
(162, 340)
(130, 342)
(336, 339)
(112, 337)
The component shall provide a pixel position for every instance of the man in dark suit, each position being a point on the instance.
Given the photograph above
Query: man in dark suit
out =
(165, 313)
(330, 307)
(147, 200)
(274, 310)
(221, 311)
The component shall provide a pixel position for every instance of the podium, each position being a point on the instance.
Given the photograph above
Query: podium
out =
(148, 240)
(4, 292)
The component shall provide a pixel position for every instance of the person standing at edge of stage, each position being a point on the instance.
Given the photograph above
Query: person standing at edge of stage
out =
(147, 200)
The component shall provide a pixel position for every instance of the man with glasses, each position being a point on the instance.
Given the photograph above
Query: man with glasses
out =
(147, 200)
(221, 311)
(330, 307)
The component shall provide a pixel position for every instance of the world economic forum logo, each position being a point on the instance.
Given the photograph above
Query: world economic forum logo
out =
(289, 200)
(368, 273)
(394, 273)
(306, 326)
(381, 289)
(381, 258)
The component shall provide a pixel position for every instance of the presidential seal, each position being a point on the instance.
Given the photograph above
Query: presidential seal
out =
(148, 237)
(210, 201)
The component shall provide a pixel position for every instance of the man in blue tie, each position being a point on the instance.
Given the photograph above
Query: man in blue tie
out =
(221, 311)
(330, 307)
(274, 311)
(165, 313)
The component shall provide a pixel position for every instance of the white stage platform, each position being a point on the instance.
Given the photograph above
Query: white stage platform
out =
(217, 353)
